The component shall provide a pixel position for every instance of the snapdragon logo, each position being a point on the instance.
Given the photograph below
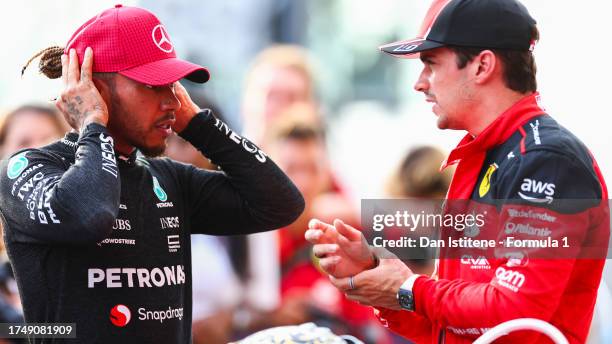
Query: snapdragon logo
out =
(16, 165)
(159, 192)
(161, 315)
(120, 315)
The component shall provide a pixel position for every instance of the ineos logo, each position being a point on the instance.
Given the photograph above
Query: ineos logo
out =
(161, 39)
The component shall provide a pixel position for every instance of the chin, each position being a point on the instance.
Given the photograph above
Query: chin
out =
(153, 151)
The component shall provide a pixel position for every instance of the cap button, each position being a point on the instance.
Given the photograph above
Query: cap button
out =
(118, 5)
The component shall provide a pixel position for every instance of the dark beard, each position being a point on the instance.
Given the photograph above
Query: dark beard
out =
(152, 152)
(121, 122)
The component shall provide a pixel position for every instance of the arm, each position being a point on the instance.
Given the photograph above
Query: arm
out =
(46, 201)
(523, 288)
(253, 194)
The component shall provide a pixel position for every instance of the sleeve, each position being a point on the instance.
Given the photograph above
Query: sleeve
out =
(407, 324)
(531, 193)
(251, 195)
(46, 200)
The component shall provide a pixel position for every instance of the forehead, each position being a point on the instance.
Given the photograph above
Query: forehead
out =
(438, 53)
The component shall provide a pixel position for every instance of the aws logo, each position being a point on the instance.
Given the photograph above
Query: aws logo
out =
(546, 191)
(120, 315)
(485, 184)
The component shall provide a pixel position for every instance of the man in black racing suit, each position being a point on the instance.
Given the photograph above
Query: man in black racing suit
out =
(105, 242)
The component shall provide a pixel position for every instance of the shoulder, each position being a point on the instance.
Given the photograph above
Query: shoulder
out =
(549, 162)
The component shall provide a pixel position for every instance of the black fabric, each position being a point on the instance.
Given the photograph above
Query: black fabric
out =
(89, 239)
(492, 24)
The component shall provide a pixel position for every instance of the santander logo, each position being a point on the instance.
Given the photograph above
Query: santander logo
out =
(120, 315)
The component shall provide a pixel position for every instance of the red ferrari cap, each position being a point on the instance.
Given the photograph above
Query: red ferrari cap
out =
(132, 42)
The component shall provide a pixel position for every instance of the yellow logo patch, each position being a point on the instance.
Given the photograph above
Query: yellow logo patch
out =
(485, 184)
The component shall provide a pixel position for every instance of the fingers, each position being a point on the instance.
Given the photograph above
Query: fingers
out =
(73, 67)
(320, 232)
(318, 224)
(329, 264)
(87, 67)
(65, 69)
(313, 236)
(349, 232)
(322, 250)
(343, 283)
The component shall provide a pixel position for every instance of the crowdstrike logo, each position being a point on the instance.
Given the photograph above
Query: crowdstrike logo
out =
(161, 39)
(16, 165)
(120, 315)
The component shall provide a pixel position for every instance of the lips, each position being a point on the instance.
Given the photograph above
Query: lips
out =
(165, 126)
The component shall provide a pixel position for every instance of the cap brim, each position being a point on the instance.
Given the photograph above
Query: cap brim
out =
(409, 49)
(167, 71)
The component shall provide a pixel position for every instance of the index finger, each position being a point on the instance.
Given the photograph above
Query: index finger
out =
(87, 66)
(64, 60)
(73, 67)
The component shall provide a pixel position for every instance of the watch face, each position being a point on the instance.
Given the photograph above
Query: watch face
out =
(406, 299)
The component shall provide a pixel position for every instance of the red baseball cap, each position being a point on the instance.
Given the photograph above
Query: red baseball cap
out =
(132, 42)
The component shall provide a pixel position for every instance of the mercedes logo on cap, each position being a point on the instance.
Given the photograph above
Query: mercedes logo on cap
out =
(161, 40)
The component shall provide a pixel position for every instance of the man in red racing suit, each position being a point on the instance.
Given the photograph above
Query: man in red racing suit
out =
(538, 179)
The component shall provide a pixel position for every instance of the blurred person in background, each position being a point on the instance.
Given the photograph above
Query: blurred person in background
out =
(418, 176)
(279, 76)
(27, 126)
(296, 142)
(479, 73)
(30, 126)
(216, 286)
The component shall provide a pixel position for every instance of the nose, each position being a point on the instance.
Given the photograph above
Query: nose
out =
(170, 102)
(422, 83)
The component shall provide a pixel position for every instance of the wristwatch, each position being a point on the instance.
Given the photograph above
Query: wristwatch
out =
(405, 297)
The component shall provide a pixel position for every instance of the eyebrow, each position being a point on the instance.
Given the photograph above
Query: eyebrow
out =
(425, 58)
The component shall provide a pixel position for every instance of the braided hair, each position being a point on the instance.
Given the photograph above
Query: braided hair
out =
(50, 62)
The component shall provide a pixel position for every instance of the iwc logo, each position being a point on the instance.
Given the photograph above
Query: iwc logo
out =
(159, 192)
(16, 165)
(485, 184)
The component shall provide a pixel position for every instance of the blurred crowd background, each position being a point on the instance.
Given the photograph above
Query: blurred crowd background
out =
(304, 80)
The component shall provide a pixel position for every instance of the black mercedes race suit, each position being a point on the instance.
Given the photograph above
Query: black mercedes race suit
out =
(106, 245)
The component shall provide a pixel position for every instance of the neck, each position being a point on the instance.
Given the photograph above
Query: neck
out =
(492, 105)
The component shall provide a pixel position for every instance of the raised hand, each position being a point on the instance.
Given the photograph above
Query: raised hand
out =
(188, 108)
(80, 101)
(342, 249)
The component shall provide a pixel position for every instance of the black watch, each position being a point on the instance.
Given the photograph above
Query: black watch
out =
(405, 297)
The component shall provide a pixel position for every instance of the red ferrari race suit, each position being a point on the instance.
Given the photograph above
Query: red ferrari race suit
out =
(523, 157)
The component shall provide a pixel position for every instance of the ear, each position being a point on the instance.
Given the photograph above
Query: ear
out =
(104, 90)
(486, 66)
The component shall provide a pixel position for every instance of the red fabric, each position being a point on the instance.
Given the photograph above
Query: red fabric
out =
(132, 41)
(464, 302)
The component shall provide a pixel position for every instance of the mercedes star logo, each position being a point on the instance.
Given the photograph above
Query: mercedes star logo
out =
(161, 40)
